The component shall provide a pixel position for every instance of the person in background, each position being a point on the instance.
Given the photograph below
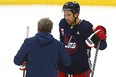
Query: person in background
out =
(78, 37)
(42, 52)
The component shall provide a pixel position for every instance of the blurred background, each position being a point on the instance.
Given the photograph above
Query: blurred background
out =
(17, 15)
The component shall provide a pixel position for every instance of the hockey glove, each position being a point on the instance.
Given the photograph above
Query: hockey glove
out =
(98, 35)
(23, 66)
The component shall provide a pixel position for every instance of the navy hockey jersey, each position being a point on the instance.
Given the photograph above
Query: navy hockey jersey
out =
(73, 38)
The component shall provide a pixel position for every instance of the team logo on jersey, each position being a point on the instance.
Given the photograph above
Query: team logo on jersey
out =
(71, 44)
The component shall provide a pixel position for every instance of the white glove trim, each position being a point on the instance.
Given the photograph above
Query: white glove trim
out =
(88, 41)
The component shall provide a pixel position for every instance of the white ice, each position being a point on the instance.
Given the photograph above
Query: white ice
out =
(15, 19)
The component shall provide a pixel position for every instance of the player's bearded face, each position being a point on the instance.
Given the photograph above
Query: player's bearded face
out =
(69, 16)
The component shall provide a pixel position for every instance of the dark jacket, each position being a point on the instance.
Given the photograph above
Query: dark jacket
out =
(42, 53)
(74, 41)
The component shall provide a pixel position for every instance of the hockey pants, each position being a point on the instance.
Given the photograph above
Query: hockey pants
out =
(84, 74)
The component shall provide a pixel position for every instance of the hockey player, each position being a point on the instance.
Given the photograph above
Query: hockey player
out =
(42, 52)
(78, 37)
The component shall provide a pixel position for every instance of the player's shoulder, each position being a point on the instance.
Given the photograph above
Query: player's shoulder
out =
(86, 23)
(63, 22)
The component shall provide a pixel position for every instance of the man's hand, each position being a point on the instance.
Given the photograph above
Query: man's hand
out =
(98, 35)
(23, 66)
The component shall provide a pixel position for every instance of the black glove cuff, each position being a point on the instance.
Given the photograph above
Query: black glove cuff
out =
(95, 39)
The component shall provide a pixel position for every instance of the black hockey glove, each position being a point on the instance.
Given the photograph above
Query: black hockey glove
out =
(98, 35)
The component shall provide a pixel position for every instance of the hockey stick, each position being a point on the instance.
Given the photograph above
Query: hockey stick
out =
(24, 64)
(95, 59)
(23, 73)
(27, 35)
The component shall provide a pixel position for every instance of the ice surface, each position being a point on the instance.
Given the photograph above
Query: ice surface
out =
(15, 19)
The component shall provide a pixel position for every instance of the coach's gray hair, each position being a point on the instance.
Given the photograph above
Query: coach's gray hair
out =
(45, 25)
